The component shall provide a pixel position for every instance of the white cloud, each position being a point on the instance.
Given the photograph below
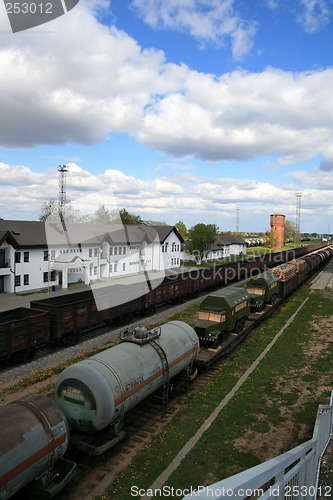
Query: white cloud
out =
(59, 87)
(320, 179)
(242, 115)
(180, 197)
(18, 175)
(209, 21)
(314, 14)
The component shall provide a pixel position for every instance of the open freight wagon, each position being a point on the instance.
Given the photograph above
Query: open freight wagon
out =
(71, 314)
(22, 330)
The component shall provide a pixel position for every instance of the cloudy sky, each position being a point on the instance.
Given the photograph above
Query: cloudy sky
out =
(173, 109)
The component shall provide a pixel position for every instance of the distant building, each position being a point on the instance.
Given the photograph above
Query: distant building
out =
(277, 230)
(35, 255)
(223, 246)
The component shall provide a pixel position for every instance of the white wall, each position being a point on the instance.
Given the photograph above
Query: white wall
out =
(171, 251)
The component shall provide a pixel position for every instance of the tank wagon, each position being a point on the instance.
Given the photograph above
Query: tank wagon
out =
(263, 289)
(96, 393)
(222, 312)
(34, 436)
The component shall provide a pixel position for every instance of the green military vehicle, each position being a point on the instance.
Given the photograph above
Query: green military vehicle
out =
(222, 312)
(263, 289)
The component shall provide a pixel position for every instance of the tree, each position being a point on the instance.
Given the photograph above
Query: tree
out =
(47, 209)
(289, 230)
(201, 237)
(181, 228)
(104, 216)
(51, 212)
(128, 218)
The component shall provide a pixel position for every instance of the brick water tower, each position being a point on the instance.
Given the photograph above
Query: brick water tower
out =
(277, 230)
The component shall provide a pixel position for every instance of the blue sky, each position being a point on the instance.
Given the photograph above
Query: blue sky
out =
(175, 110)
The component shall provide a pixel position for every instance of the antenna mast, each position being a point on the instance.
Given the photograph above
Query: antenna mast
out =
(62, 169)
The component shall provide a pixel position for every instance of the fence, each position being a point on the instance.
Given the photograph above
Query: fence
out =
(292, 475)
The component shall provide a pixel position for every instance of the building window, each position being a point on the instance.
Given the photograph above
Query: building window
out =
(124, 267)
(17, 280)
(124, 250)
(26, 256)
(119, 250)
(90, 252)
(115, 250)
(45, 277)
(95, 252)
(110, 269)
(53, 276)
(26, 279)
(46, 255)
(111, 251)
(115, 267)
(17, 257)
(95, 270)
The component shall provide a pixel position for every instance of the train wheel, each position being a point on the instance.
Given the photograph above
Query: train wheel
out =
(273, 299)
(150, 310)
(20, 357)
(32, 353)
(217, 342)
(239, 325)
(180, 387)
(69, 340)
(95, 460)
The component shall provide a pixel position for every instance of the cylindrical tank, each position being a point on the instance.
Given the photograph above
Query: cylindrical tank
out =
(34, 434)
(96, 392)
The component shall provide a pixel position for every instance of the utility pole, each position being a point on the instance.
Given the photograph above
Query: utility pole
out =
(298, 219)
(237, 219)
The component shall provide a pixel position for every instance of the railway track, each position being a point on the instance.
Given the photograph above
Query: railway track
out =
(48, 355)
(142, 424)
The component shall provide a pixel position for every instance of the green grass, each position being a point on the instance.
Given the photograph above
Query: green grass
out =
(271, 393)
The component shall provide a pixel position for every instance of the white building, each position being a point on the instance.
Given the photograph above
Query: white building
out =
(36, 255)
(223, 246)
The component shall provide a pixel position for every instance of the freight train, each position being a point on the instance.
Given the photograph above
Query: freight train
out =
(95, 394)
(63, 318)
(226, 310)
